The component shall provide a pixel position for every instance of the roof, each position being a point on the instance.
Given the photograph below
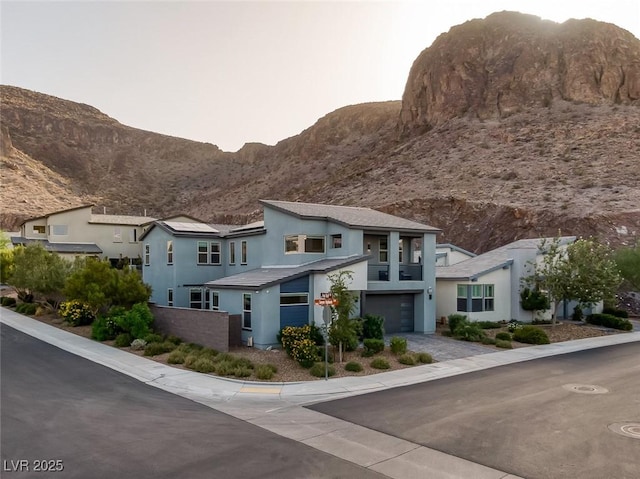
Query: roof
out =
(63, 248)
(350, 216)
(179, 228)
(454, 248)
(120, 220)
(56, 213)
(268, 276)
(493, 260)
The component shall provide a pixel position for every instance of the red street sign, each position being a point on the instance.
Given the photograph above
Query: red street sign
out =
(326, 302)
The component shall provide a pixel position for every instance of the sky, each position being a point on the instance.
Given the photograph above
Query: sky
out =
(234, 72)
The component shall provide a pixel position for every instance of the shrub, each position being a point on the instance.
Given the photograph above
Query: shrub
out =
(177, 357)
(138, 344)
(137, 321)
(76, 313)
(27, 308)
(530, 335)
(372, 327)
(503, 336)
(398, 345)
(488, 324)
(610, 321)
(353, 366)
(224, 368)
(504, 344)
(305, 352)
(289, 335)
(191, 359)
(153, 338)
(380, 363)
(577, 314)
(216, 356)
(318, 370)
(204, 365)
(487, 340)
(242, 372)
(243, 362)
(153, 349)
(8, 301)
(373, 346)
(174, 339)
(123, 340)
(407, 359)
(513, 325)
(454, 320)
(104, 329)
(264, 371)
(620, 313)
(469, 332)
(425, 358)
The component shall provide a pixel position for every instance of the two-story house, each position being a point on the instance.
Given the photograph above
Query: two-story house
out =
(270, 272)
(77, 232)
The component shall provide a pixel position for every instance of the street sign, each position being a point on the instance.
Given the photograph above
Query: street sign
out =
(326, 302)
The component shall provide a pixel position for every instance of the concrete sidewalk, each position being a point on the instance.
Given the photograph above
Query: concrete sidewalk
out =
(277, 407)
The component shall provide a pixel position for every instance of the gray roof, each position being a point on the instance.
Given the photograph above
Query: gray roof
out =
(120, 220)
(268, 276)
(68, 248)
(498, 258)
(454, 248)
(351, 216)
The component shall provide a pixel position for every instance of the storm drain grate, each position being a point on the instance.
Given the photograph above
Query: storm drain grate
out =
(585, 388)
(628, 429)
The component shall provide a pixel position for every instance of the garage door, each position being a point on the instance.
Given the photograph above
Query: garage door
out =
(397, 310)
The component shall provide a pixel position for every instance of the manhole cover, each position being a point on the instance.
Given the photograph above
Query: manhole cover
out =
(628, 429)
(585, 388)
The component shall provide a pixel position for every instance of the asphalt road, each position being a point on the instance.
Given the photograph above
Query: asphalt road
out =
(101, 424)
(524, 418)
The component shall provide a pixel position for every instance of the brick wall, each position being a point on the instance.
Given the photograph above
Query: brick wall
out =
(213, 329)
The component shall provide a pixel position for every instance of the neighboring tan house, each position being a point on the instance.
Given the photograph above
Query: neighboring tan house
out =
(79, 232)
(270, 272)
(487, 287)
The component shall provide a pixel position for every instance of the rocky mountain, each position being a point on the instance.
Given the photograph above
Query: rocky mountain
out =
(509, 127)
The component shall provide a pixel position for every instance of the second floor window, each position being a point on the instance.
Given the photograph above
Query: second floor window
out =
(383, 250)
(336, 241)
(117, 234)
(39, 229)
(243, 252)
(147, 255)
(232, 252)
(209, 252)
(169, 252)
(59, 230)
(303, 244)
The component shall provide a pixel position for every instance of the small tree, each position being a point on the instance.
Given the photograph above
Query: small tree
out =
(6, 258)
(534, 300)
(628, 262)
(344, 330)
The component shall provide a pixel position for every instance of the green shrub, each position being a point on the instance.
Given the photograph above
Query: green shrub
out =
(577, 314)
(28, 309)
(174, 339)
(372, 327)
(487, 340)
(454, 320)
(398, 345)
(380, 363)
(223, 368)
(123, 340)
(504, 336)
(177, 357)
(610, 321)
(489, 324)
(216, 356)
(264, 371)
(353, 366)
(191, 359)
(153, 338)
(76, 313)
(530, 335)
(204, 365)
(504, 344)
(242, 371)
(373, 346)
(407, 359)
(318, 370)
(243, 362)
(137, 321)
(138, 344)
(305, 352)
(619, 313)
(8, 301)
(104, 329)
(514, 325)
(154, 349)
(425, 358)
(469, 332)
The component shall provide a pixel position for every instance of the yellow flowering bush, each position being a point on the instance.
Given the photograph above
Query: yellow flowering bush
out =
(76, 313)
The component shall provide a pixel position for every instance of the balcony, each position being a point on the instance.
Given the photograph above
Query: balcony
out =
(378, 272)
(407, 272)
(411, 272)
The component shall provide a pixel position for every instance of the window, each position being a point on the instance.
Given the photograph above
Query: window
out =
(170, 297)
(383, 250)
(243, 252)
(336, 241)
(303, 244)
(169, 252)
(215, 300)
(133, 235)
(117, 234)
(147, 255)
(39, 229)
(475, 297)
(209, 253)
(400, 246)
(60, 230)
(195, 298)
(246, 311)
(290, 299)
(232, 252)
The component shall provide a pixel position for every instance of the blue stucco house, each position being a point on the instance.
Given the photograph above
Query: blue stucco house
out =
(270, 272)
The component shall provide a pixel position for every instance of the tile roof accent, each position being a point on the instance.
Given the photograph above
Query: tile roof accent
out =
(351, 216)
(492, 260)
(63, 248)
(265, 277)
(120, 220)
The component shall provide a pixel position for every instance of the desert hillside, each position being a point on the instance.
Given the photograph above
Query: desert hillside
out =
(509, 127)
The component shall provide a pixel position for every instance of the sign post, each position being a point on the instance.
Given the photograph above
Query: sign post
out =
(326, 301)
